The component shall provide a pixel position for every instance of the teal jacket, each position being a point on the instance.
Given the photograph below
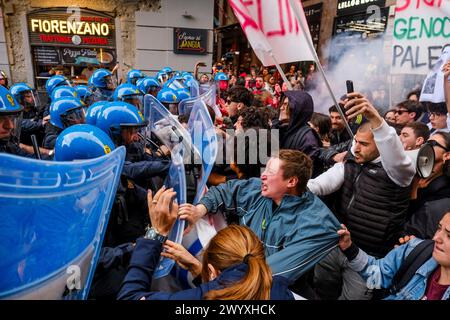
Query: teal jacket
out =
(296, 235)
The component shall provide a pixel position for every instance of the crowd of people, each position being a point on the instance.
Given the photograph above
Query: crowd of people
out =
(337, 212)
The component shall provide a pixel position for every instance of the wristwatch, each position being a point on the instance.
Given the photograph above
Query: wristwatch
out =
(152, 234)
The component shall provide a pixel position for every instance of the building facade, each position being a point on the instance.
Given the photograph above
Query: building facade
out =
(39, 35)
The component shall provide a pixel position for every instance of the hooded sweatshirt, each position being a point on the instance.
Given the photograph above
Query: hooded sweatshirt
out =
(298, 135)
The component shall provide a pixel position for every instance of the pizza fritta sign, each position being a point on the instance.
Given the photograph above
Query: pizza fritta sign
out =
(190, 41)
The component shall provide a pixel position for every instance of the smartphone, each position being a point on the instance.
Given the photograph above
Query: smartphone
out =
(351, 89)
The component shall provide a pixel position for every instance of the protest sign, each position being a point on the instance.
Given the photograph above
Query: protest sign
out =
(421, 31)
(272, 28)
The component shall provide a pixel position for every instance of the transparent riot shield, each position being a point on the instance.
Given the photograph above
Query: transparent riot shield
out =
(174, 136)
(53, 219)
(168, 129)
(204, 138)
(209, 97)
(194, 89)
(176, 179)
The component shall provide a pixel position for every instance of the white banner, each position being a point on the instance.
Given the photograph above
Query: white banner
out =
(421, 31)
(271, 27)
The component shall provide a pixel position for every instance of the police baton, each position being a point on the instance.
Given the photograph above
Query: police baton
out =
(37, 153)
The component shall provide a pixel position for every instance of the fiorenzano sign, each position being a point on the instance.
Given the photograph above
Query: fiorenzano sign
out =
(69, 27)
(80, 28)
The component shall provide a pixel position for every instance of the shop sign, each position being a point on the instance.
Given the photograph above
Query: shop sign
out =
(190, 41)
(352, 6)
(61, 26)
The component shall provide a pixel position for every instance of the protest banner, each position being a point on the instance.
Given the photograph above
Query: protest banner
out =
(421, 31)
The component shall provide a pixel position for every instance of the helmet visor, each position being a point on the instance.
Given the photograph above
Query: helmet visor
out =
(73, 116)
(110, 82)
(136, 100)
(10, 126)
(29, 99)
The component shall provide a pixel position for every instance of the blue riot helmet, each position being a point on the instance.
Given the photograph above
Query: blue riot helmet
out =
(149, 85)
(62, 92)
(83, 92)
(134, 75)
(56, 81)
(162, 77)
(129, 93)
(169, 98)
(66, 111)
(25, 95)
(93, 112)
(10, 115)
(82, 141)
(183, 94)
(123, 122)
(222, 80)
(168, 71)
(103, 79)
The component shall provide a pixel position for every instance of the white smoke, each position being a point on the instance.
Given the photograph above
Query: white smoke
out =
(367, 63)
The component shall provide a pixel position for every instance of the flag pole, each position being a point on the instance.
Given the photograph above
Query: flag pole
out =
(285, 79)
(319, 65)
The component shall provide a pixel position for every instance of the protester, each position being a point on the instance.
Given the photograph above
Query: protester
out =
(374, 190)
(322, 124)
(234, 266)
(431, 195)
(406, 112)
(260, 92)
(338, 133)
(295, 112)
(238, 98)
(294, 225)
(429, 281)
(439, 118)
(414, 135)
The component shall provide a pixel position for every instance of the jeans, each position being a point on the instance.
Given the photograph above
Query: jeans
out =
(333, 279)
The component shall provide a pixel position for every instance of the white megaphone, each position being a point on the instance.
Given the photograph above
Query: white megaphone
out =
(425, 161)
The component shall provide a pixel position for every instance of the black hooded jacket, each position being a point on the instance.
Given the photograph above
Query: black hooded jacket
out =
(298, 135)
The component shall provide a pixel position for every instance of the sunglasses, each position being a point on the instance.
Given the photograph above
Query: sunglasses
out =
(434, 143)
(400, 112)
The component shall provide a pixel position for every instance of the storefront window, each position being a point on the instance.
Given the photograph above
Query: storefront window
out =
(70, 44)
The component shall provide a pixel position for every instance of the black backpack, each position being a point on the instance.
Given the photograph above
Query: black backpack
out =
(415, 259)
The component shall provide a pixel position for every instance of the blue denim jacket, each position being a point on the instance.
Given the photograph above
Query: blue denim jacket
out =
(379, 273)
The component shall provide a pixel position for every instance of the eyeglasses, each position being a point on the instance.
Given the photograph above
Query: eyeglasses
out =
(436, 114)
(434, 143)
(400, 112)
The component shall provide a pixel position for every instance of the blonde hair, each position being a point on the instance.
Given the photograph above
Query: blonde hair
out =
(231, 246)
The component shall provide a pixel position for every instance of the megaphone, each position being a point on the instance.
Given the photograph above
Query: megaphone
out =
(425, 161)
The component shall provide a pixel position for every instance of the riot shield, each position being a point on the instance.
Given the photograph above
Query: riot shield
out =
(195, 89)
(53, 219)
(176, 179)
(174, 136)
(209, 97)
(204, 138)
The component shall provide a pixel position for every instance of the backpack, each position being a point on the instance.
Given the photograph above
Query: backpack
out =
(415, 259)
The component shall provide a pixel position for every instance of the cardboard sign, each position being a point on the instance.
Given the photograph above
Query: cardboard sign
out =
(421, 31)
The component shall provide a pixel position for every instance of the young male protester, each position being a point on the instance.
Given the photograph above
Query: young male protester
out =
(374, 192)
